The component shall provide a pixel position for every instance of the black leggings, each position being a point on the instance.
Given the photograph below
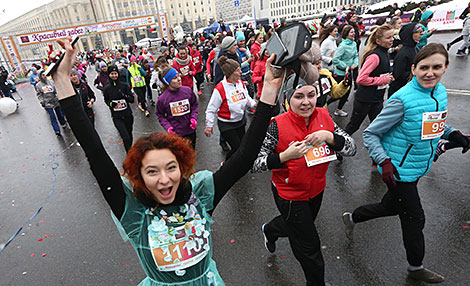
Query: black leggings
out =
(297, 222)
(402, 200)
(199, 79)
(140, 91)
(191, 137)
(362, 109)
(233, 137)
(456, 40)
(124, 127)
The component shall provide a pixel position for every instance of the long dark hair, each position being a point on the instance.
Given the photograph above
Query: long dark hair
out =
(345, 31)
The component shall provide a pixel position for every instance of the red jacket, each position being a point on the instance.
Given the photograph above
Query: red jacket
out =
(197, 60)
(186, 78)
(209, 62)
(295, 181)
(258, 73)
(255, 49)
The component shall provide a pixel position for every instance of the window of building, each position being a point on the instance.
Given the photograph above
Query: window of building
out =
(128, 13)
(88, 17)
(261, 4)
(125, 4)
(134, 13)
(173, 14)
(202, 2)
(171, 6)
(78, 19)
(194, 3)
(179, 5)
(144, 2)
(75, 9)
(181, 13)
(121, 14)
(118, 5)
(187, 4)
(86, 9)
(187, 11)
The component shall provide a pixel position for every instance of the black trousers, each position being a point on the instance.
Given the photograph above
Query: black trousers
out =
(192, 138)
(141, 91)
(456, 40)
(90, 114)
(199, 79)
(250, 87)
(402, 200)
(124, 127)
(342, 100)
(297, 222)
(234, 138)
(362, 109)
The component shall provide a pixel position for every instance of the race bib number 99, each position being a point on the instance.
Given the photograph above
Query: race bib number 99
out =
(180, 108)
(433, 124)
(319, 154)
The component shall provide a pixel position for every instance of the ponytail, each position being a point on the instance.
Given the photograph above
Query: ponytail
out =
(371, 42)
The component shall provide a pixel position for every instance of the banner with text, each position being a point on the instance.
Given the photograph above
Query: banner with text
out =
(83, 30)
(12, 52)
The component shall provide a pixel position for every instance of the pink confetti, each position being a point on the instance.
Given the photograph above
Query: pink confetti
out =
(41, 221)
(125, 262)
(32, 255)
(40, 239)
(74, 234)
(44, 254)
(46, 235)
(282, 256)
(465, 226)
(51, 235)
(269, 264)
(110, 138)
(232, 240)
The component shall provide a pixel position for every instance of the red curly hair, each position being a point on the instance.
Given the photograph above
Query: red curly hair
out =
(180, 147)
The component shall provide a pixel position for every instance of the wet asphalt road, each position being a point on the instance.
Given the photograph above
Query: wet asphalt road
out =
(83, 247)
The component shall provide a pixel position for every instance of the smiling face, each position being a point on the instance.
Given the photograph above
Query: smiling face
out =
(161, 174)
(74, 78)
(430, 70)
(351, 34)
(113, 75)
(386, 40)
(303, 101)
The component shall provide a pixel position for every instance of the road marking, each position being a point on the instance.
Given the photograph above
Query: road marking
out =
(458, 91)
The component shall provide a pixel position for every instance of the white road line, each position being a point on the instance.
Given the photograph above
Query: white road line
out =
(458, 91)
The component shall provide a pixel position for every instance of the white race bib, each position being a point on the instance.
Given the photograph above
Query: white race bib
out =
(47, 89)
(121, 105)
(237, 95)
(319, 154)
(180, 108)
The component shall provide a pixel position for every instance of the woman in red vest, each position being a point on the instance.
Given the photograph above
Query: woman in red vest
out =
(297, 148)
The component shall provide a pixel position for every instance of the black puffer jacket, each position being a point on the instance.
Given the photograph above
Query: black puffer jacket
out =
(404, 58)
(118, 96)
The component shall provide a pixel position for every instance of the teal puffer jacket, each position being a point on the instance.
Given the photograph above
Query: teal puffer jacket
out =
(345, 56)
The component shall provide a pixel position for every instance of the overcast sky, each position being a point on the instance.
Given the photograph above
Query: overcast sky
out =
(10, 9)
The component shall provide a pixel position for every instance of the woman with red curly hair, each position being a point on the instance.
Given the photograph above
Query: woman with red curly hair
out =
(160, 204)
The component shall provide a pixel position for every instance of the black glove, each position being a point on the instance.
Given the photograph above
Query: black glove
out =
(43, 104)
(154, 85)
(462, 140)
(388, 170)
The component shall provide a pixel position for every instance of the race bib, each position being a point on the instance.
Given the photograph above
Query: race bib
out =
(184, 70)
(188, 248)
(382, 86)
(196, 60)
(121, 105)
(433, 124)
(325, 85)
(319, 154)
(47, 88)
(237, 95)
(180, 108)
(137, 78)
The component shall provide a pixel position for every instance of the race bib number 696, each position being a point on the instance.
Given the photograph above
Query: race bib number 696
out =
(319, 154)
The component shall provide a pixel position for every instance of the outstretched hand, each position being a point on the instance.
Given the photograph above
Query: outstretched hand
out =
(61, 76)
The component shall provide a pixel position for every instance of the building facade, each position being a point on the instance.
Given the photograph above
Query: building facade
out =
(196, 13)
(231, 11)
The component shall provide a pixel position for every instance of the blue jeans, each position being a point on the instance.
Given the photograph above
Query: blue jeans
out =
(60, 116)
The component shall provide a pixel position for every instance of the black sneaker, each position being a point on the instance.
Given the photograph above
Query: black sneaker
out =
(270, 245)
(58, 134)
(224, 146)
(426, 275)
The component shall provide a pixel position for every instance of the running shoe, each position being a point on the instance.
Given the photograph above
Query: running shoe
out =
(426, 276)
(340, 112)
(270, 245)
(460, 53)
(348, 225)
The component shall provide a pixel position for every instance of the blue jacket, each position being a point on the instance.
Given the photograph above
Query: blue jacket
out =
(345, 56)
(424, 38)
(396, 132)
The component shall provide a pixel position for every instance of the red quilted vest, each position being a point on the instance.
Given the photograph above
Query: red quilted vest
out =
(295, 181)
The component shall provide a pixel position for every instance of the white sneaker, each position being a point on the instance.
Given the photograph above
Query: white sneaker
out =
(340, 112)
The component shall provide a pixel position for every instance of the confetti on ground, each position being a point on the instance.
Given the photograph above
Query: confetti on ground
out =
(125, 262)
(32, 255)
(232, 240)
(74, 234)
(44, 254)
(269, 264)
(251, 199)
(24, 273)
(282, 256)
(465, 226)
(40, 239)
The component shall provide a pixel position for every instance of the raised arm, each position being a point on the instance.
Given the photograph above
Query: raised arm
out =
(242, 160)
(101, 164)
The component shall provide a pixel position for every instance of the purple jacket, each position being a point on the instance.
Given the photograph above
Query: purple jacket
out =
(175, 108)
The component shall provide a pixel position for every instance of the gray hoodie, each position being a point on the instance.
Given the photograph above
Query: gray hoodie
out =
(47, 93)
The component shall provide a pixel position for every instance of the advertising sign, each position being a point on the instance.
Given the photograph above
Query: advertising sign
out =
(83, 30)
(12, 52)
(163, 21)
